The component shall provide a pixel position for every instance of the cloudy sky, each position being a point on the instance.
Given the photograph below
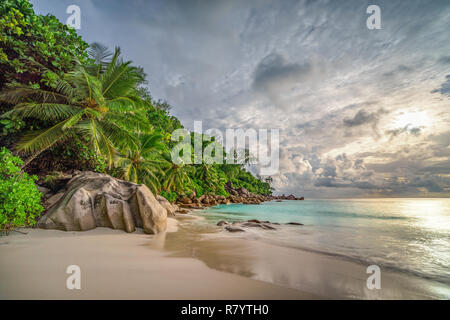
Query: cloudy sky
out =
(361, 113)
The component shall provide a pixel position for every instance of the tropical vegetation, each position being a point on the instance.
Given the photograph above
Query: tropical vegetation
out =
(68, 106)
(20, 200)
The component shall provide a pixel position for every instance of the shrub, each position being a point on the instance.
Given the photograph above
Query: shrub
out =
(20, 200)
(170, 195)
(29, 40)
(197, 187)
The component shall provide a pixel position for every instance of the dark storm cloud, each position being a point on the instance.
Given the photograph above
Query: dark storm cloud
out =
(415, 131)
(273, 69)
(445, 87)
(363, 117)
(432, 183)
(439, 168)
(331, 183)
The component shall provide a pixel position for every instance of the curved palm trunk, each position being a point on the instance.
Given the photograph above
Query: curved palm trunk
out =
(34, 156)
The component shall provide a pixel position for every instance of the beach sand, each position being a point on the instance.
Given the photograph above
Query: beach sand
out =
(116, 265)
(190, 261)
(328, 276)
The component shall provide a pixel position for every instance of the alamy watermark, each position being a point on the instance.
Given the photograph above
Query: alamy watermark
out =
(235, 146)
(374, 281)
(374, 20)
(74, 20)
(74, 280)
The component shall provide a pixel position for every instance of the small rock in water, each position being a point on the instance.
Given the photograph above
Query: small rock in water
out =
(252, 224)
(234, 229)
(222, 223)
(267, 227)
(295, 223)
(258, 225)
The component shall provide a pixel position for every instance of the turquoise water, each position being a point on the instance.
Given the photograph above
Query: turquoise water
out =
(408, 235)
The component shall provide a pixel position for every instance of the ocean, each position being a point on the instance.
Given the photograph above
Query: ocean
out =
(406, 235)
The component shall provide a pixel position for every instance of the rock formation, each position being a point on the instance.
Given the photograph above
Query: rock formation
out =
(238, 226)
(91, 200)
(284, 197)
(170, 208)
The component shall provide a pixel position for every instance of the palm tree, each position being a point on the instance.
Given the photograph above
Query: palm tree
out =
(99, 102)
(143, 164)
(209, 175)
(203, 171)
(175, 177)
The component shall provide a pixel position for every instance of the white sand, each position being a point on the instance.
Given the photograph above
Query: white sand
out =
(185, 264)
(116, 265)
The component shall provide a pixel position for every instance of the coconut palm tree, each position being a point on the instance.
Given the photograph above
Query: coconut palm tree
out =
(204, 172)
(175, 177)
(99, 102)
(143, 164)
(209, 175)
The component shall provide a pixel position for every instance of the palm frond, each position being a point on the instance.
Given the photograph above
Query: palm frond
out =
(21, 93)
(43, 111)
(120, 78)
(100, 53)
(99, 140)
(149, 178)
(128, 121)
(37, 141)
(87, 87)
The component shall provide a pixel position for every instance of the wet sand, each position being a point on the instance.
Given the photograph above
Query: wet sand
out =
(327, 276)
(190, 261)
(116, 265)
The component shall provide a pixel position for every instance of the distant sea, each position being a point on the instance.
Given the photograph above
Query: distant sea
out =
(407, 235)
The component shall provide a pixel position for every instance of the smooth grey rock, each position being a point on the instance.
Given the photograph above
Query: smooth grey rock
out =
(167, 205)
(50, 202)
(93, 200)
(234, 229)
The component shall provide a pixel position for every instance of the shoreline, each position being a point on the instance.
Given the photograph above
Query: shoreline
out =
(192, 260)
(117, 265)
(329, 276)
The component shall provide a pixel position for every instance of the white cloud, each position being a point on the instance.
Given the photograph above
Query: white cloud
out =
(311, 68)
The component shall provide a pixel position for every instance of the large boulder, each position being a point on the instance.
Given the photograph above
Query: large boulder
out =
(170, 208)
(93, 200)
(185, 200)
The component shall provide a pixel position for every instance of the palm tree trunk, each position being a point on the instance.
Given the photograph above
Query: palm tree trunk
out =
(34, 156)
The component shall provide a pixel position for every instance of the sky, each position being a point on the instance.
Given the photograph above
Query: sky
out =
(361, 113)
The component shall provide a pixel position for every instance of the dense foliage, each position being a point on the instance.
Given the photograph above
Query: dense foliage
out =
(98, 103)
(29, 41)
(67, 107)
(20, 200)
